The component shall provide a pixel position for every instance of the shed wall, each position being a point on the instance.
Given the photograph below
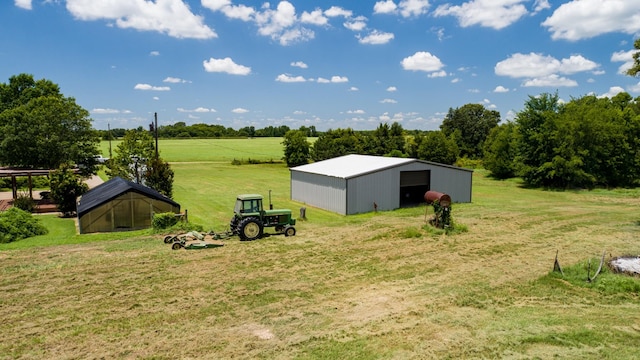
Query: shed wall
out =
(321, 191)
(128, 211)
(456, 183)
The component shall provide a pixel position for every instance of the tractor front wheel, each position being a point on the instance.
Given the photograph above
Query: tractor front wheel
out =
(290, 231)
(250, 228)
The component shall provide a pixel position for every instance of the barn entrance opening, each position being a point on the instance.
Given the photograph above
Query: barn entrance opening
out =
(413, 186)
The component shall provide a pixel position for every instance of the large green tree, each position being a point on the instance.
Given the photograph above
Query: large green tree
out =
(435, 146)
(334, 143)
(41, 128)
(470, 125)
(584, 143)
(635, 69)
(131, 156)
(500, 150)
(296, 148)
(135, 160)
(385, 140)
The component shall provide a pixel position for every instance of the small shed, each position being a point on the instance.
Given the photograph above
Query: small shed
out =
(354, 184)
(120, 205)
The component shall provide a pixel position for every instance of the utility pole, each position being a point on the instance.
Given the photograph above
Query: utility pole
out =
(155, 130)
(109, 132)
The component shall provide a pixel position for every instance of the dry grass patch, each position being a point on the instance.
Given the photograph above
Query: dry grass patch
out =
(365, 288)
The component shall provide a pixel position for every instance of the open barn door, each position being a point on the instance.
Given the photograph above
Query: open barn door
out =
(413, 186)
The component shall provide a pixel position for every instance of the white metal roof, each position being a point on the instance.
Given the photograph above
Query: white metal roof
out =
(349, 166)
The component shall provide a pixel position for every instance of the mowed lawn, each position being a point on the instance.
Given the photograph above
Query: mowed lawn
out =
(370, 286)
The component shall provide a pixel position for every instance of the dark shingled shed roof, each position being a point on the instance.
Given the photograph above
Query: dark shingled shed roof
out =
(113, 188)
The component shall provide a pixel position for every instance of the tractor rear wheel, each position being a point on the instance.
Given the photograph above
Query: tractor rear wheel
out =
(250, 228)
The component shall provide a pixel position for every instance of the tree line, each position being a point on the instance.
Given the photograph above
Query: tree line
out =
(184, 131)
(584, 143)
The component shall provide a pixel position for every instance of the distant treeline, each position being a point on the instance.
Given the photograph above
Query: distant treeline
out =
(182, 130)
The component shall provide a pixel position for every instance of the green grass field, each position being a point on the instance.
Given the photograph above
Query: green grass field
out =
(224, 150)
(369, 286)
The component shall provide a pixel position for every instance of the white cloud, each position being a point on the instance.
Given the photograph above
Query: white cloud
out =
(422, 61)
(295, 35)
(286, 78)
(316, 17)
(154, 53)
(406, 8)
(225, 65)
(215, 4)
(173, 80)
(388, 101)
(25, 4)
(171, 17)
(147, 87)
(438, 74)
(299, 64)
(552, 80)
(500, 89)
(634, 88)
(104, 111)
(455, 81)
(584, 19)
(537, 65)
(392, 89)
(353, 88)
(376, 38)
(413, 7)
(540, 5)
(196, 110)
(356, 24)
(241, 12)
(339, 79)
(335, 11)
(239, 111)
(384, 7)
(359, 111)
(625, 57)
(496, 14)
(334, 79)
(613, 91)
(272, 22)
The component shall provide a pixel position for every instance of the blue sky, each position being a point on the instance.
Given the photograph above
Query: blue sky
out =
(330, 64)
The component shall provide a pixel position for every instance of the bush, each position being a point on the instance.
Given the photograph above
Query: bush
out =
(65, 189)
(169, 222)
(164, 220)
(16, 224)
(24, 202)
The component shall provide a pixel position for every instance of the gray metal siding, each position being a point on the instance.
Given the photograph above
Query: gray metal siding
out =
(358, 194)
(455, 183)
(380, 187)
(321, 191)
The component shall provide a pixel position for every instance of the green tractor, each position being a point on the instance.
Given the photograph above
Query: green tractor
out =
(250, 218)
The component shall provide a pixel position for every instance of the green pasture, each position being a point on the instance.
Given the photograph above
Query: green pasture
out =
(194, 150)
(370, 286)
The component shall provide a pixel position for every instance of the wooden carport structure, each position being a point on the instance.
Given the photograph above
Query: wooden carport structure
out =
(13, 173)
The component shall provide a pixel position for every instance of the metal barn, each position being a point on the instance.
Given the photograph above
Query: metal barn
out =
(118, 205)
(354, 184)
